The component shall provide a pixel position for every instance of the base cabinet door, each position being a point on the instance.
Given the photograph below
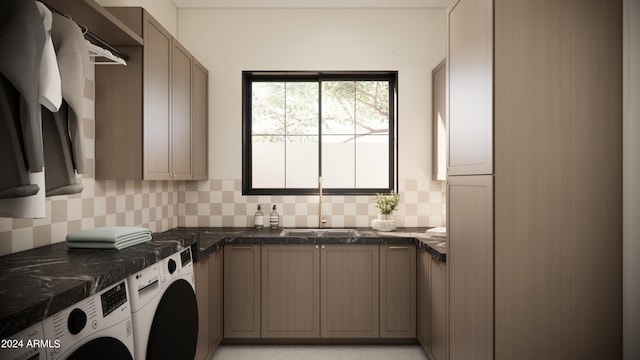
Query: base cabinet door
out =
(423, 300)
(203, 297)
(242, 291)
(398, 291)
(290, 291)
(349, 284)
(216, 299)
(437, 309)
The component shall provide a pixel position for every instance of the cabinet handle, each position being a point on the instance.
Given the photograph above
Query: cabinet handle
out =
(398, 247)
(323, 246)
(241, 247)
(316, 246)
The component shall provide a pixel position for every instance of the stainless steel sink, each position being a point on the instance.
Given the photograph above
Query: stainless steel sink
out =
(320, 232)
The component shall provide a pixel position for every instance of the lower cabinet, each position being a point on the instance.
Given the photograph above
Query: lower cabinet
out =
(203, 296)
(319, 291)
(397, 291)
(349, 291)
(216, 299)
(208, 279)
(437, 309)
(432, 305)
(242, 291)
(290, 291)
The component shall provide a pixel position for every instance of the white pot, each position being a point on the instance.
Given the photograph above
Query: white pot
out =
(384, 222)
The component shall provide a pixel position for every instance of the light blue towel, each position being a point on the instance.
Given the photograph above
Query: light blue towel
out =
(109, 237)
(107, 245)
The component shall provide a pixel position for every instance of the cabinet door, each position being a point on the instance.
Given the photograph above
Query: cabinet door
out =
(157, 100)
(290, 291)
(216, 299)
(181, 131)
(397, 291)
(203, 296)
(423, 299)
(470, 69)
(437, 308)
(199, 121)
(242, 291)
(470, 266)
(349, 291)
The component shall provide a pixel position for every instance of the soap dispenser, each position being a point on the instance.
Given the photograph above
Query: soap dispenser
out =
(274, 218)
(259, 218)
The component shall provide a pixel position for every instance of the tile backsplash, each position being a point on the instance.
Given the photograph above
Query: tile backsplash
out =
(221, 203)
(162, 205)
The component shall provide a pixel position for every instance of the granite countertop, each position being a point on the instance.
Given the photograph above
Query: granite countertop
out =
(38, 283)
(209, 240)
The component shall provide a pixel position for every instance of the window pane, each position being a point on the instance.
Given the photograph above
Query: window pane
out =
(338, 107)
(302, 108)
(268, 159)
(302, 161)
(338, 161)
(372, 161)
(267, 108)
(372, 107)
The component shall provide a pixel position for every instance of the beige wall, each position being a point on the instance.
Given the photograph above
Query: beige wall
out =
(228, 41)
(162, 10)
(631, 179)
(280, 39)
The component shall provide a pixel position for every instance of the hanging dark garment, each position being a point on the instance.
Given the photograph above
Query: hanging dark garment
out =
(22, 38)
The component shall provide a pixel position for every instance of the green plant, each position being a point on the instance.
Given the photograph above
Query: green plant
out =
(387, 203)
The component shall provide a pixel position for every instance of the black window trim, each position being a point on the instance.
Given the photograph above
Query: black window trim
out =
(249, 76)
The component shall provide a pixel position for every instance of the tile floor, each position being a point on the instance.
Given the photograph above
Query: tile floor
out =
(319, 352)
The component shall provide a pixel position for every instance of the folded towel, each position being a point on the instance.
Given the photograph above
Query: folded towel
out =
(106, 244)
(110, 234)
(437, 231)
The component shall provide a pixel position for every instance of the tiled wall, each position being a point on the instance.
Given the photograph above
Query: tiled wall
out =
(162, 205)
(221, 203)
(152, 204)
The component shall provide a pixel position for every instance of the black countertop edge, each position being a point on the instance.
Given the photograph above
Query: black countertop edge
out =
(38, 283)
(210, 239)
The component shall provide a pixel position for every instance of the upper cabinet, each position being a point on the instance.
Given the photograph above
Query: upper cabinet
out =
(151, 116)
(470, 88)
(439, 121)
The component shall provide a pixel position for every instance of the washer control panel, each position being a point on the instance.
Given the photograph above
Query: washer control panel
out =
(113, 298)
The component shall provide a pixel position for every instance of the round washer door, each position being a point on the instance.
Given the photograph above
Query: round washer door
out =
(174, 331)
(102, 348)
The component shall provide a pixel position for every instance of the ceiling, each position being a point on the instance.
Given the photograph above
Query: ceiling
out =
(311, 3)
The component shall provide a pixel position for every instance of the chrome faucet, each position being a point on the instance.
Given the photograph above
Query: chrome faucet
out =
(321, 220)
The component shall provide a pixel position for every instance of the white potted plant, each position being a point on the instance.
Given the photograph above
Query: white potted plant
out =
(386, 204)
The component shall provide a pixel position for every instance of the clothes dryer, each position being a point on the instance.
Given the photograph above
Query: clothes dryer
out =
(96, 328)
(164, 309)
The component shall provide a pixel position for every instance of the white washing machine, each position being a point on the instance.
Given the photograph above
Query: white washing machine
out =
(164, 309)
(28, 344)
(99, 327)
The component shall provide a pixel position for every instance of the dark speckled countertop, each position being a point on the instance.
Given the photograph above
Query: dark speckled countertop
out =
(38, 283)
(210, 239)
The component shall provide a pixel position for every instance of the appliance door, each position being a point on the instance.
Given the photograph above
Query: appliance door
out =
(102, 348)
(174, 331)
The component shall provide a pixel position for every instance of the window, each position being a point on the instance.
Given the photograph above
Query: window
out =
(299, 126)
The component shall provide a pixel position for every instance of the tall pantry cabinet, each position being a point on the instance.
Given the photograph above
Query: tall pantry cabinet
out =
(535, 229)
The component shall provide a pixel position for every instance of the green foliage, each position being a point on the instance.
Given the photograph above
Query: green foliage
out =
(387, 203)
(284, 109)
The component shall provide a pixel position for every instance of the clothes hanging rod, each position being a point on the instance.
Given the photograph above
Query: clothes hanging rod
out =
(93, 37)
